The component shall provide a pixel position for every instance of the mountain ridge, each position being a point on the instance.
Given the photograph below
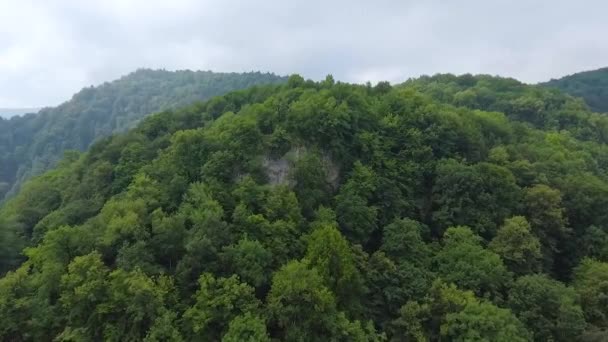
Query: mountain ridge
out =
(31, 144)
(591, 85)
(7, 113)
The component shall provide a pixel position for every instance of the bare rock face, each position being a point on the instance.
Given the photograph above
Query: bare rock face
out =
(277, 170)
(332, 172)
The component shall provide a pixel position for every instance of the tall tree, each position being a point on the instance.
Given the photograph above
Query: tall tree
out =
(218, 302)
(517, 246)
(464, 262)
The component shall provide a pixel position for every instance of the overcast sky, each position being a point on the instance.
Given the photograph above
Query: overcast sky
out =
(49, 49)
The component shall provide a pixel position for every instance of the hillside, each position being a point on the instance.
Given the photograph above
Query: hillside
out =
(446, 208)
(7, 113)
(590, 85)
(31, 144)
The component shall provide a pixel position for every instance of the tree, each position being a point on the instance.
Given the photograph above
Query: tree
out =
(330, 254)
(591, 283)
(83, 289)
(546, 216)
(464, 262)
(280, 237)
(357, 218)
(16, 305)
(11, 244)
(131, 160)
(402, 241)
(300, 306)
(113, 306)
(412, 323)
(391, 285)
(480, 196)
(125, 221)
(218, 301)
(595, 244)
(207, 235)
(249, 260)
(246, 328)
(548, 308)
(164, 329)
(295, 81)
(456, 315)
(135, 303)
(481, 321)
(282, 204)
(310, 174)
(137, 255)
(37, 200)
(518, 248)
(168, 238)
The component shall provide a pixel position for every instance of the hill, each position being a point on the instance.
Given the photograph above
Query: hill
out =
(590, 85)
(446, 208)
(31, 144)
(10, 112)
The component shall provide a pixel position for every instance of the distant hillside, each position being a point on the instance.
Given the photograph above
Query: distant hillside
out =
(32, 144)
(10, 112)
(590, 85)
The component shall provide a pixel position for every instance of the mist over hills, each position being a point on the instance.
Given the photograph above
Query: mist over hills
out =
(7, 113)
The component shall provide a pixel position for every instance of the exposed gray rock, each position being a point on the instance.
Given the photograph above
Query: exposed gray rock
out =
(277, 170)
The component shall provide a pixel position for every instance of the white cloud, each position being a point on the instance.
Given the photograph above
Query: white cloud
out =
(49, 49)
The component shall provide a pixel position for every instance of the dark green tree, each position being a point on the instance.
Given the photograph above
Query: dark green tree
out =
(548, 308)
(463, 261)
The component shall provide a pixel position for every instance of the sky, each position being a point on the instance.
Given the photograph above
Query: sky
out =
(50, 49)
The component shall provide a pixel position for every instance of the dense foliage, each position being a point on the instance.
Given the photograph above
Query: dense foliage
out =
(32, 144)
(590, 85)
(466, 208)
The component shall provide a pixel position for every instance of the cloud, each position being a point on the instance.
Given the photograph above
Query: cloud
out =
(50, 49)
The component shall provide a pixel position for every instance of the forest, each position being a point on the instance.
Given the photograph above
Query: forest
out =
(34, 143)
(592, 86)
(446, 208)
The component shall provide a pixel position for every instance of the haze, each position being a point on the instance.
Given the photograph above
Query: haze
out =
(51, 49)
